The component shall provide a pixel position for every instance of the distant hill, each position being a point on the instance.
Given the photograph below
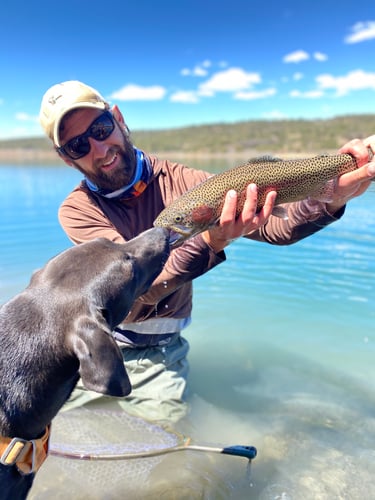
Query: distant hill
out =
(286, 137)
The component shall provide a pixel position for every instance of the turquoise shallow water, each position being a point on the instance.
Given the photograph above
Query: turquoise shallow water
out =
(282, 348)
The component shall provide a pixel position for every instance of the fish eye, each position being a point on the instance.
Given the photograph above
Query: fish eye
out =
(178, 218)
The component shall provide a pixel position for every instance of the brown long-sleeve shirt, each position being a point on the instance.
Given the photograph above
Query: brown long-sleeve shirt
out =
(85, 215)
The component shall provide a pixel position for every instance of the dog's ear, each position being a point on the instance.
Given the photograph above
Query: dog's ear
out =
(101, 365)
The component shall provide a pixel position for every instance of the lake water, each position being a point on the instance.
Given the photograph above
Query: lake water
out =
(282, 358)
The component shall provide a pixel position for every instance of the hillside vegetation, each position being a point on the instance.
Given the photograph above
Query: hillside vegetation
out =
(260, 136)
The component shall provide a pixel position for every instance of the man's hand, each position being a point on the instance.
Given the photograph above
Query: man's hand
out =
(354, 183)
(230, 227)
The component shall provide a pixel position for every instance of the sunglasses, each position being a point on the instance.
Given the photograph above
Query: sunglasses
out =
(79, 146)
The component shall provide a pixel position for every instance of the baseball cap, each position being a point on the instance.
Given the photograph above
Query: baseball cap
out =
(62, 98)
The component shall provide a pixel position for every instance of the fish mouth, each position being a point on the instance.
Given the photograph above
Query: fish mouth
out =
(178, 234)
(175, 239)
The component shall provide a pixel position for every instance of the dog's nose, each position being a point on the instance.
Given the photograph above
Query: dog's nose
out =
(162, 234)
(162, 231)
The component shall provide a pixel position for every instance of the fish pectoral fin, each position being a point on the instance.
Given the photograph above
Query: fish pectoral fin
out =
(280, 212)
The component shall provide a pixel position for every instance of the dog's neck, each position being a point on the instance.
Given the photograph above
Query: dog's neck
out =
(27, 456)
(31, 421)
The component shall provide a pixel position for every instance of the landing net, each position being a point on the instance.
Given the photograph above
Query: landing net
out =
(106, 434)
(117, 455)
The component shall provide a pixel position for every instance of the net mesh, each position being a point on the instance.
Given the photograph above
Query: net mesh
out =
(108, 432)
(101, 431)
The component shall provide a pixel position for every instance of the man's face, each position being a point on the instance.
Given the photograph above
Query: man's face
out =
(110, 164)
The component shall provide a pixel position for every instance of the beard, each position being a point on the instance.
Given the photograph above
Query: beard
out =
(120, 176)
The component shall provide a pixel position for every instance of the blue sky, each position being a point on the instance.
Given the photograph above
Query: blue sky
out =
(171, 64)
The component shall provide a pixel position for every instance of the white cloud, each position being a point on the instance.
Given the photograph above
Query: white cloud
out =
(205, 92)
(198, 70)
(360, 32)
(309, 94)
(252, 95)
(319, 56)
(188, 96)
(137, 93)
(274, 115)
(297, 76)
(230, 80)
(296, 57)
(25, 117)
(355, 80)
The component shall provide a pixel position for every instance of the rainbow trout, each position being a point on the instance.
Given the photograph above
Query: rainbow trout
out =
(293, 180)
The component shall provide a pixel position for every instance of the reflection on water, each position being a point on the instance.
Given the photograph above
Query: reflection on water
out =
(282, 350)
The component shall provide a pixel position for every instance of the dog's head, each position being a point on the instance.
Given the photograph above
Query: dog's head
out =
(101, 280)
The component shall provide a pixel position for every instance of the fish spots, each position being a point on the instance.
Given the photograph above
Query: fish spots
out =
(293, 180)
(202, 214)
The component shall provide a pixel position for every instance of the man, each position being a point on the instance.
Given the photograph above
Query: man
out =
(123, 191)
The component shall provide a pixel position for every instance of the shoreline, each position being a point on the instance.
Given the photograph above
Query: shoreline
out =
(31, 156)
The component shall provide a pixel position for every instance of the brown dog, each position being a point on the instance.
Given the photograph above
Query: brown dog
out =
(59, 329)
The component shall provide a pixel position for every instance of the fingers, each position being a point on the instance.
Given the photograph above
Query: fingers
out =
(250, 206)
(228, 217)
(248, 220)
(268, 205)
(231, 226)
(358, 176)
(360, 149)
(228, 213)
(370, 144)
(355, 183)
(370, 141)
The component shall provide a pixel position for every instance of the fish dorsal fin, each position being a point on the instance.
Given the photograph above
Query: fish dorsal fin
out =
(262, 159)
